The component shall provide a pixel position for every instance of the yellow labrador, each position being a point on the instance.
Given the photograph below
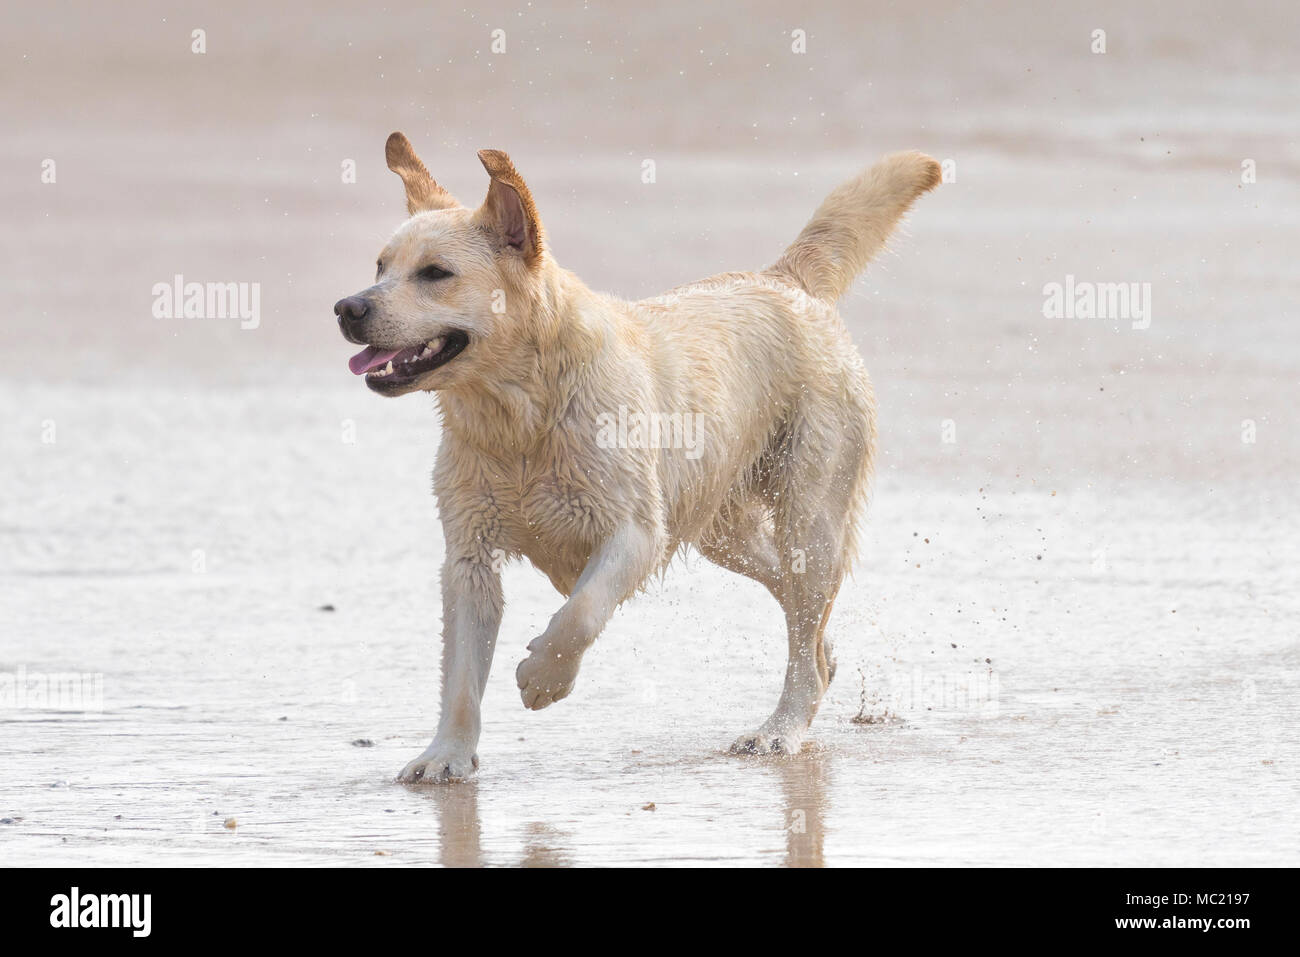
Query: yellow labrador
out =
(596, 437)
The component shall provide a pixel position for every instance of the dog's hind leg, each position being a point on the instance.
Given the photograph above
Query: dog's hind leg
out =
(743, 541)
(820, 491)
(807, 597)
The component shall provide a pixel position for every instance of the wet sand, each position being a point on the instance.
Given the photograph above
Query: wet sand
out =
(1072, 635)
(1030, 704)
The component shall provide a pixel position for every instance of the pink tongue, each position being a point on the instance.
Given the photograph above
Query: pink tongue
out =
(370, 358)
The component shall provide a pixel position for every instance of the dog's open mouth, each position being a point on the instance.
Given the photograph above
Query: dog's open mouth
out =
(386, 367)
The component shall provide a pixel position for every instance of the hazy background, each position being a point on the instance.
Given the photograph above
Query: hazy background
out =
(1125, 166)
(181, 497)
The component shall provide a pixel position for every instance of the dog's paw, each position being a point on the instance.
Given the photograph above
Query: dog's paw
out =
(440, 765)
(767, 742)
(544, 677)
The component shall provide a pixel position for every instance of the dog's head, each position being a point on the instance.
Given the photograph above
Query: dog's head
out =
(450, 284)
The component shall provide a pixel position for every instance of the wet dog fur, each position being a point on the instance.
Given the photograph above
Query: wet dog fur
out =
(528, 364)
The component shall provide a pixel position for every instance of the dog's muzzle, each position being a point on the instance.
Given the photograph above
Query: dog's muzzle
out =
(352, 314)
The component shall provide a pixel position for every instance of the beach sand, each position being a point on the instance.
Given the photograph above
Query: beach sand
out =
(1072, 634)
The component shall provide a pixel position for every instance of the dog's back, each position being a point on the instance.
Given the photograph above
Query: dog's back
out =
(766, 360)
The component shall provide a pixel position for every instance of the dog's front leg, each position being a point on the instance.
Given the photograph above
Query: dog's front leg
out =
(613, 573)
(471, 616)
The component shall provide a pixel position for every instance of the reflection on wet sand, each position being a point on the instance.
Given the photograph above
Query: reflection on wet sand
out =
(541, 847)
(460, 831)
(804, 782)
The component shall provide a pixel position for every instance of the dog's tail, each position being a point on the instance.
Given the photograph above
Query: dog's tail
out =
(853, 222)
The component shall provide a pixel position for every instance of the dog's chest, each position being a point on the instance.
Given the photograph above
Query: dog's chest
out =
(553, 522)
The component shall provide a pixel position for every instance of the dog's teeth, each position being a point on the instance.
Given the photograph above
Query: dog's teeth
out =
(388, 368)
(433, 345)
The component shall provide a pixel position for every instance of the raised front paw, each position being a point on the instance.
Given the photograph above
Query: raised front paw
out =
(546, 675)
(440, 764)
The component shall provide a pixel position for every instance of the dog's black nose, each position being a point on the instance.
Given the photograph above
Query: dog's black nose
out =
(352, 313)
(351, 309)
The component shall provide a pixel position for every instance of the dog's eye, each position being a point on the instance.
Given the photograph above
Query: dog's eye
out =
(379, 268)
(433, 273)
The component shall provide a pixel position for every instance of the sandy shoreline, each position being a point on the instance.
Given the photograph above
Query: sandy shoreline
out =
(1123, 672)
(1077, 589)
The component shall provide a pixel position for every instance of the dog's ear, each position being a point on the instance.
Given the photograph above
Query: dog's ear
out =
(508, 210)
(422, 193)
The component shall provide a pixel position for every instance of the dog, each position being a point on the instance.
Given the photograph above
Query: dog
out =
(565, 416)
